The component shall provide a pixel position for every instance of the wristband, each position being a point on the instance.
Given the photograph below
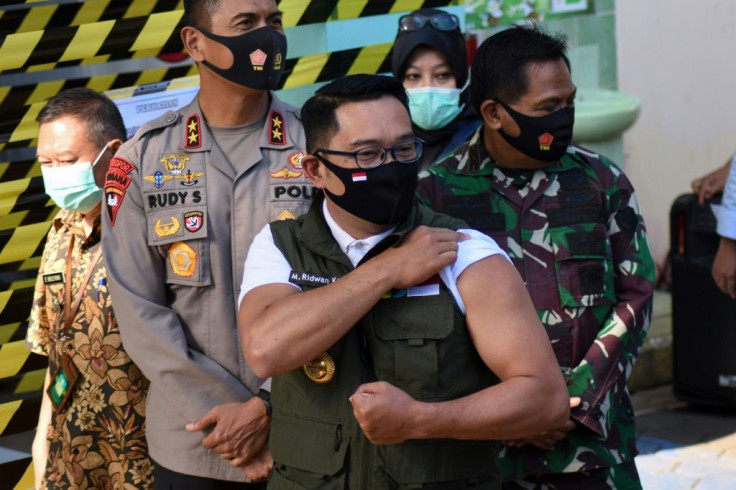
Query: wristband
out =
(266, 397)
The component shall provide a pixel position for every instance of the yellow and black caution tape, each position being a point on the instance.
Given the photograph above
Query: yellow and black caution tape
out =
(19, 124)
(74, 43)
(17, 475)
(19, 415)
(22, 243)
(25, 383)
(15, 100)
(35, 18)
(152, 33)
(15, 359)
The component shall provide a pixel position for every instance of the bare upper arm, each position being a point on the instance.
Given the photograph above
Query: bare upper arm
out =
(502, 320)
(257, 301)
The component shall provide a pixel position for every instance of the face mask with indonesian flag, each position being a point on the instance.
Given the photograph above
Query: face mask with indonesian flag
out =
(383, 195)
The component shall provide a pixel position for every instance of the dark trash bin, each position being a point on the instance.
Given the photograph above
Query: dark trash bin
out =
(703, 317)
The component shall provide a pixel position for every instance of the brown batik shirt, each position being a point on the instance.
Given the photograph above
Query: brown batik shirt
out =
(98, 440)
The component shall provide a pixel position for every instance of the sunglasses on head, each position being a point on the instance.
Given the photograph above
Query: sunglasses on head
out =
(441, 22)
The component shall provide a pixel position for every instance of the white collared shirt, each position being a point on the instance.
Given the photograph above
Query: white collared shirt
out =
(266, 264)
(726, 212)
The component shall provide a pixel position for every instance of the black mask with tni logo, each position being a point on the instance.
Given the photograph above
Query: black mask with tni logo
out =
(258, 58)
(544, 138)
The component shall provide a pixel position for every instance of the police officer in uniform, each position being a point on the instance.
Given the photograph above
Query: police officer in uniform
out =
(387, 327)
(182, 201)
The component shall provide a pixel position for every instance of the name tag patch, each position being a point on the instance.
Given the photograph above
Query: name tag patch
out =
(53, 278)
(309, 279)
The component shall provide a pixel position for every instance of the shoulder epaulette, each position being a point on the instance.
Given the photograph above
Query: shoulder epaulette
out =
(162, 121)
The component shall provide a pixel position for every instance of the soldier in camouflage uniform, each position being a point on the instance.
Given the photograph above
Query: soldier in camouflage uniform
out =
(570, 221)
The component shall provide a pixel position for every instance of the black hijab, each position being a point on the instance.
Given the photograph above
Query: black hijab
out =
(451, 44)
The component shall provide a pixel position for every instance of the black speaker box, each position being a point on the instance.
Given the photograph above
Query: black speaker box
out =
(703, 317)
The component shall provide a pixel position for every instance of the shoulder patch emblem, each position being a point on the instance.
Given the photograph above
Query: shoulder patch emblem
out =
(277, 129)
(167, 229)
(285, 214)
(295, 159)
(193, 133)
(116, 183)
(285, 173)
(193, 220)
(183, 259)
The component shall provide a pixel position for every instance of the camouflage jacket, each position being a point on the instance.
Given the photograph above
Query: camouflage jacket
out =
(574, 232)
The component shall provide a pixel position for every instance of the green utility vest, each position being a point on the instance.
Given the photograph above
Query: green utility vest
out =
(419, 344)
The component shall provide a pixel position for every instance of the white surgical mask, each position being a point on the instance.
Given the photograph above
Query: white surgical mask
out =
(434, 107)
(73, 187)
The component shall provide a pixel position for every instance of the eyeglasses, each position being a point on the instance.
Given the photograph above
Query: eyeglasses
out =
(441, 22)
(375, 156)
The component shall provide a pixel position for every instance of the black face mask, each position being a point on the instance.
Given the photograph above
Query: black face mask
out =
(383, 195)
(543, 138)
(258, 58)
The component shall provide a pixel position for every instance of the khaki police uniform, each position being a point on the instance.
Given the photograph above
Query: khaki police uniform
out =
(179, 219)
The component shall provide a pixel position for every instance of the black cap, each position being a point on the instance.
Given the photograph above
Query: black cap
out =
(450, 43)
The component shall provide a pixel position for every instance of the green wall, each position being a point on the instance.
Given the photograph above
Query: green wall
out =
(591, 33)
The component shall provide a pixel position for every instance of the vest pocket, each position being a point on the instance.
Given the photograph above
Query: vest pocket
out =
(308, 453)
(456, 464)
(583, 265)
(413, 328)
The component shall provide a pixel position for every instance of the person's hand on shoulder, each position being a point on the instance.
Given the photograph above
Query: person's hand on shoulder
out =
(421, 254)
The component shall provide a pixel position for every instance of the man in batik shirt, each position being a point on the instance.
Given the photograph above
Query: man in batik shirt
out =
(91, 430)
(570, 221)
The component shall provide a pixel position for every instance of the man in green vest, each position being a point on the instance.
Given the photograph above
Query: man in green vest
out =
(401, 345)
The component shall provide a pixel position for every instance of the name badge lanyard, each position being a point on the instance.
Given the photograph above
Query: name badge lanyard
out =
(70, 312)
(66, 372)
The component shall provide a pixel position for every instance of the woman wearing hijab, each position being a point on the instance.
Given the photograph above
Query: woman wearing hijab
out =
(429, 58)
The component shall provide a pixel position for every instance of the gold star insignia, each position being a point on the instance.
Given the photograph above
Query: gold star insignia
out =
(193, 138)
(276, 122)
(192, 126)
(276, 134)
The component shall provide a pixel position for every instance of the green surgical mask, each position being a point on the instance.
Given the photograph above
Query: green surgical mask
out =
(434, 107)
(73, 187)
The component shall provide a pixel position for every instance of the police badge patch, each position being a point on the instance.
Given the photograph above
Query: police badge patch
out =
(116, 183)
(193, 220)
(183, 259)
